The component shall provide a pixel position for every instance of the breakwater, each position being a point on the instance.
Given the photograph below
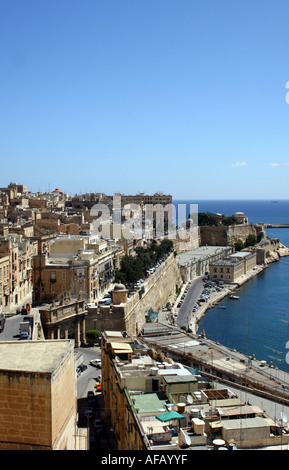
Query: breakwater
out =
(276, 225)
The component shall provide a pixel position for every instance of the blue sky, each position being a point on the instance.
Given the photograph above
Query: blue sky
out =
(185, 97)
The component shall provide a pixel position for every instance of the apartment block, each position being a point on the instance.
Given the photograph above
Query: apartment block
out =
(143, 393)
(4, 281)
(155, 403)
(17, 287)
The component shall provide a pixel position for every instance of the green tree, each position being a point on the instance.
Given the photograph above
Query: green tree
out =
(260, 236)
(251, 240)
(92, 335)
(133, 268)
(239, 245)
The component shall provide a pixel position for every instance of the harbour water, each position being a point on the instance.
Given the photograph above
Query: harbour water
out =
(257, 323)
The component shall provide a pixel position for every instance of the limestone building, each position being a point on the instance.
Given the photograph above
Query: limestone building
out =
(137, 389)
(17, 288)
(232, 268)
(76, 267)
(194, 263)
(38, 395)
(64, 320)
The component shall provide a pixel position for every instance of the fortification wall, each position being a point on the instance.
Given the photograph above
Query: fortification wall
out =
(159, 288)
(223, 236)
(240, 232)
(187, 239)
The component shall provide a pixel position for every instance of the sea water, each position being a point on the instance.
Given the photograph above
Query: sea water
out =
(257, 323)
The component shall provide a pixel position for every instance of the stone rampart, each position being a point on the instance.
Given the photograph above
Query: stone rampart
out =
(160, 288)
(224, 236)
(130, 316)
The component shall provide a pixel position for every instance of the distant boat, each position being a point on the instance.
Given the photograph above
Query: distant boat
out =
(233, 297)
(274, 202)
(221, 306)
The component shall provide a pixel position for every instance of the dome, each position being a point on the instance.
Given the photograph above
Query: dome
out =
(119, 287)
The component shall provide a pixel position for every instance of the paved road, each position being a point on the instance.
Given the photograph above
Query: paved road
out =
(189, 302)
(11, 330)
(87, 378)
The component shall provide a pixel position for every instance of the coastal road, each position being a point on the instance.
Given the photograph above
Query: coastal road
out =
(189, 302)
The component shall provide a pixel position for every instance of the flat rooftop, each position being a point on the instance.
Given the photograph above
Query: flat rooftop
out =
(242, 254)
(33, 356)
(227, 262)
(149, 403)
(200, 253)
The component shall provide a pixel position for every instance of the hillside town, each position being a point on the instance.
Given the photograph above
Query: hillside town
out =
(118, 288)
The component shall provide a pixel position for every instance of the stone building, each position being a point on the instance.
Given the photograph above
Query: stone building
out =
(64, 320)
(18, 287)
(232, 268)
(141, 391)
(74, 266)
(38, 395)
(196, 262)
(4, 281)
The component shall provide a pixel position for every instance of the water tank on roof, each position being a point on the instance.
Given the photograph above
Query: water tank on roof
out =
(181, 407)
(154, 370)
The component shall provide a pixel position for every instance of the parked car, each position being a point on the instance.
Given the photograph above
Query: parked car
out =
(24, 335)
(91, 399)
(98, 386)
(97, 423)
(95, 363)
(2, 323)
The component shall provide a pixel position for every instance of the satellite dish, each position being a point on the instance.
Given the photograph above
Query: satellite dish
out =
(284, 417)
(188, 440)
(190, 399)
